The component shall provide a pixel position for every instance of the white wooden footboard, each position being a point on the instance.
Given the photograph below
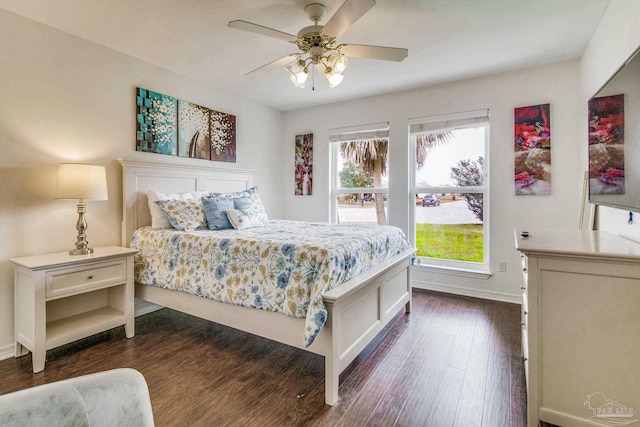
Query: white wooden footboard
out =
(358, 311)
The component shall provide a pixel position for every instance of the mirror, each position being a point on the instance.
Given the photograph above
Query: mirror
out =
(614, 140)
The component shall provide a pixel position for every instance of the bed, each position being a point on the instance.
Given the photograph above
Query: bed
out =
(355, 311)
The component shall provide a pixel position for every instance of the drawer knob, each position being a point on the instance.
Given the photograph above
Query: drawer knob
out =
(523, 288)
(90, 277)
(523, 324)
(526, 312)
(524, 359)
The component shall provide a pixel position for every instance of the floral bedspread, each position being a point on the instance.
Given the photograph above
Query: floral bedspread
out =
(284, 266)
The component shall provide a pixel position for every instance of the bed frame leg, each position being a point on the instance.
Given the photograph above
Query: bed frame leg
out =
(332, 329)
(331, 381)
(407, 307)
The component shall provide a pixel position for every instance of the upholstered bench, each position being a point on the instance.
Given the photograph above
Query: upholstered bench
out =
(118, 397)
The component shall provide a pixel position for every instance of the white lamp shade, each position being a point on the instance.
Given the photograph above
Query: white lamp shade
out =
(298, 73)
(338, 63)
(80, 181)
(334, 78)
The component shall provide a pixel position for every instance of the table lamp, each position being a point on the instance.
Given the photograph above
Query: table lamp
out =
(81, 181)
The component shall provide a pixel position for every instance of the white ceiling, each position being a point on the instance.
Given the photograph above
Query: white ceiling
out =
(447, 39)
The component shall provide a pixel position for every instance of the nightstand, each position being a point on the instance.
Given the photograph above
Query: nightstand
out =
(60, 298)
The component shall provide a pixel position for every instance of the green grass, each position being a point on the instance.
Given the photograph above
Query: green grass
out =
(461, 242)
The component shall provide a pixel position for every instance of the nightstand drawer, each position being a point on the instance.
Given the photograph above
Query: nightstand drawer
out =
(70, 281)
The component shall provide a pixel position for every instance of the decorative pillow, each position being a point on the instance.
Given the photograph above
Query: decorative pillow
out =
(184, 215)
(159, 218)
(241, 220)
(257, 208)
(246, 205)
(215, 210)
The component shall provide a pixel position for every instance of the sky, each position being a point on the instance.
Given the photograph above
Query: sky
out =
(464, 145)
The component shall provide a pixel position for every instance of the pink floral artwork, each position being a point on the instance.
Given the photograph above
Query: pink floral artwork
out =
(532, 146)
(606, 145)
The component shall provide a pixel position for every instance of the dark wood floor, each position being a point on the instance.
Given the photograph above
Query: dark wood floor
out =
(454, 361)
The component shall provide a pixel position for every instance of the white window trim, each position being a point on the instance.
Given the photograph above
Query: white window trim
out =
(439, 123)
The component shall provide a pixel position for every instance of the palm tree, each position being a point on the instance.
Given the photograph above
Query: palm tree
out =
(373, 155)
(426, 141)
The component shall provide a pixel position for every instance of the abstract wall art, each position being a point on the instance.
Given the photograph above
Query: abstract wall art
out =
(532, 150)
(304, 164)
(167, 125)
(606, 145)
(156, 122)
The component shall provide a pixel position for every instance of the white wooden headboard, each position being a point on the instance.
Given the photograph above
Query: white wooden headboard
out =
(170, 175)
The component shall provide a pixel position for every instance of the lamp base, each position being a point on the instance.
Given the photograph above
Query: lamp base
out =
(82, 245)
(81, 251)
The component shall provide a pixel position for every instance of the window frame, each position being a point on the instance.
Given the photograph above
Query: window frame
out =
(439, 124)
(347, 134)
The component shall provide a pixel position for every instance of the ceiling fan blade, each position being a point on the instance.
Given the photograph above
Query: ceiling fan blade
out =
(264, 31)
(346, 15)
(284, 61)
(397, 54)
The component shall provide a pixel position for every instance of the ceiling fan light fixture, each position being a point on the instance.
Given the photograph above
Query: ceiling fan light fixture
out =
(298, 73)
(334, 78)
(318, 46)
(338, 63)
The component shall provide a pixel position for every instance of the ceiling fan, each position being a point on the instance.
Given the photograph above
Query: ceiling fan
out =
(318, 46)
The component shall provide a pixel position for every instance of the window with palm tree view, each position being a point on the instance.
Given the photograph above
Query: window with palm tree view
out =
(361, 182)
(451, 207)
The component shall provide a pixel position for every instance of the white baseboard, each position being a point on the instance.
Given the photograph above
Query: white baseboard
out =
(469, 292)
(7, 351)
(145, 307)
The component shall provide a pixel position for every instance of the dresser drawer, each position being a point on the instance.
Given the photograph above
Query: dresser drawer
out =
(74, 280)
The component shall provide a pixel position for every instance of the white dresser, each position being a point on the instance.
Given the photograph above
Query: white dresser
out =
(580, 327)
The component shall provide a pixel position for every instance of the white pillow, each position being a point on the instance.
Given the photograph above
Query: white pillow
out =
(184, 215)
(159, 219)
(241, 220)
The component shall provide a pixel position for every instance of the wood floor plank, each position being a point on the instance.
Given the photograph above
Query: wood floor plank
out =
(425, 367)
(428, 377)
(442, 411)
(471, 404)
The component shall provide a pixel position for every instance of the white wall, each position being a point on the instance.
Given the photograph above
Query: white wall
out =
(555, 84)
(66, 99)
(616, 38)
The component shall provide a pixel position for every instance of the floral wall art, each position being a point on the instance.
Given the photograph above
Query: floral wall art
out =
(606, 145)
(532, 146)
(167, 125)
(304, 165)
(193, 131)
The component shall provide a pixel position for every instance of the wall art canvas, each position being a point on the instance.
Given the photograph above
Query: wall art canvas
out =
(156, 122)
(223, 136)
(606, 145)
(532, 146)
(193, 131)
(167, 125)
(304, 165)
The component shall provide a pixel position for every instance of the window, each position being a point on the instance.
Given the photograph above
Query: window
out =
(450, 185)
(359, 182)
